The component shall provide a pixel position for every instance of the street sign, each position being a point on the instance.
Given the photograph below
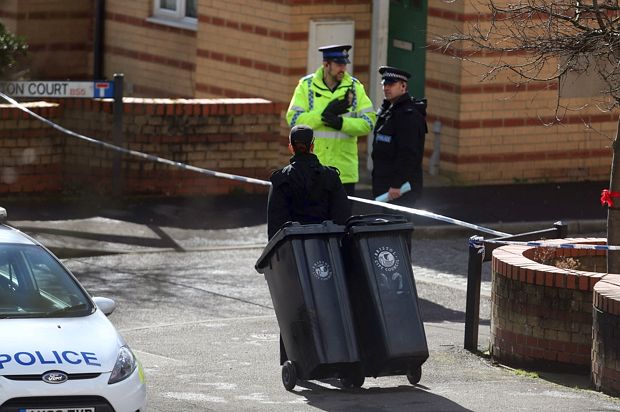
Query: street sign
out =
(96, 89)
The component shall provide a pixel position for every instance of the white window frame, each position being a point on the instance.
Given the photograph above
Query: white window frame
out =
(176, 18)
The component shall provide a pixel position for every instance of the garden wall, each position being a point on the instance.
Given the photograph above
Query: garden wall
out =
(541, 314)
(238, 136)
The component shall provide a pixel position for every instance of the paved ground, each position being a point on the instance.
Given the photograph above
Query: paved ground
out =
(202, 323)
(201, 320)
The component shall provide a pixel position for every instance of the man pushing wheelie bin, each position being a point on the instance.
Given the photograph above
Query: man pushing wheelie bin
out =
(344, 296)
(304, 270)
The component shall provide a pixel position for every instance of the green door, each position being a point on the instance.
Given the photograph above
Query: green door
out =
(407, 40)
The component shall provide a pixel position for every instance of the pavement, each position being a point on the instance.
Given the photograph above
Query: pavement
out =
(142, 230)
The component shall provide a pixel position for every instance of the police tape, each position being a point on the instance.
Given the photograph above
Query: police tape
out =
(547, 244)
(244, 179)
(430, 215)
(135, 152)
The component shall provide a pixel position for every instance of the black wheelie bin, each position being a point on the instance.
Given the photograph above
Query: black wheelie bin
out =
(305, 274)
(384, 297)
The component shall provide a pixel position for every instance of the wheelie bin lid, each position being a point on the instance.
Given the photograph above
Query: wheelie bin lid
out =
(296, 229)
(377, 223)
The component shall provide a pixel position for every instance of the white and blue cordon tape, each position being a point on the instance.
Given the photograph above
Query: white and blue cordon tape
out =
(554, 245)
(431, 215)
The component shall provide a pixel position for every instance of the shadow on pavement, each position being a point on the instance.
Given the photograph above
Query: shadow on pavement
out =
(196, 212)
(432, 312)
(473, 204)
(508, 203)
(163, 242)
(569, 380)
(403, 397)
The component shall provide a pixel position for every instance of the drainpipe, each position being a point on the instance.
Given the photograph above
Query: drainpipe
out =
(98, 40)
(378, 57)
(433, 164)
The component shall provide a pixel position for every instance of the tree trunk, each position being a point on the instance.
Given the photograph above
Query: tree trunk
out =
(613, 213)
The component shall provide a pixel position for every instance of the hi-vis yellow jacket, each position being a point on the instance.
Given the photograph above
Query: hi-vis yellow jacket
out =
(337, 148)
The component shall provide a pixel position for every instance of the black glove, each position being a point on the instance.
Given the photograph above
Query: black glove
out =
(337, 106)
(332, 120)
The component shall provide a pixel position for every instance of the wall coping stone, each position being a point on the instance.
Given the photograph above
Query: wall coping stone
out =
(511, 261)
(607, 294)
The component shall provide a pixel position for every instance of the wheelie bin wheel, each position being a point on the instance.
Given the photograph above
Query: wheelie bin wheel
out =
(355, 380)
(289, 375)
(414, 376)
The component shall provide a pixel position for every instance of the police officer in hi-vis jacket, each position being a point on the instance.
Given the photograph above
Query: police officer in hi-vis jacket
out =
(335, 105)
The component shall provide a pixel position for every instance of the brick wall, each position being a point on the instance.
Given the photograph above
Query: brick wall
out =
(262, 45)
(237, 49)
(606, 335)
(542, 315)
(237, 136)
(59, 34)
(158, 60)
(30, 153)
(494, 132)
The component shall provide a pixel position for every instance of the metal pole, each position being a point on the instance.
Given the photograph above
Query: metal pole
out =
(98, 40)
(561, 229)
(117, 134)
(472, 306)
(378, 57)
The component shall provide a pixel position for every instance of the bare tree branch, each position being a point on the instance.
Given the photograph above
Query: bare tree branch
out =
(525, 37)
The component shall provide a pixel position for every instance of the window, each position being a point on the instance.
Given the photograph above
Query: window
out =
(181, 13)
(34, 284)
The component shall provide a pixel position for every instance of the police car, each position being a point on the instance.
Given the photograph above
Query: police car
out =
(58, 350)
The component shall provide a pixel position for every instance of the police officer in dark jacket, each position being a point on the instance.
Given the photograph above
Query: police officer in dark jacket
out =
(305, 191)
(399, 134)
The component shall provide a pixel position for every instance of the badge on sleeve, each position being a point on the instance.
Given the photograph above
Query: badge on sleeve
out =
(384, 138)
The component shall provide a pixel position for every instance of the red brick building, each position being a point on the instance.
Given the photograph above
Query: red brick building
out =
(489, 132)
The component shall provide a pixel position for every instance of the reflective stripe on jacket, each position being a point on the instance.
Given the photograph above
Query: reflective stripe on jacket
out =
(337, 148)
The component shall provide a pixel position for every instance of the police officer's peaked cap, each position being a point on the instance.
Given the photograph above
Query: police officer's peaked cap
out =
(301, 134)
(338, 53)
(392, 74)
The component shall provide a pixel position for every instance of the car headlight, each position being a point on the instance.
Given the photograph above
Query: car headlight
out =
(124, 366)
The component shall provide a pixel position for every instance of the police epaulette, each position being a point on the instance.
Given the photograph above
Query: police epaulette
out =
(420, 105)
